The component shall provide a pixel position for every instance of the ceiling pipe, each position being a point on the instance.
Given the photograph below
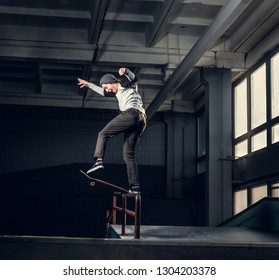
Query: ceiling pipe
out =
(227, 15)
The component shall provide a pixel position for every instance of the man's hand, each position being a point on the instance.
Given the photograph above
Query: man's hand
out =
(122, 71)
(82, 83)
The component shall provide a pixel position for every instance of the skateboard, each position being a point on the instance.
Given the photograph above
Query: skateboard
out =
(93, 182)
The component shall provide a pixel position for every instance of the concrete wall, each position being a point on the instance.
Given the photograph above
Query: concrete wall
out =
(36, 137)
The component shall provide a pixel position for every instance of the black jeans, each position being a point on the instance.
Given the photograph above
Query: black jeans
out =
(132, 123)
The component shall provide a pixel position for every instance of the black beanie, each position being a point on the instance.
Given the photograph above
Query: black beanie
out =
(108, 79)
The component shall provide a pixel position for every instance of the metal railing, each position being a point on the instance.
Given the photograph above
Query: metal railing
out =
(111, 214)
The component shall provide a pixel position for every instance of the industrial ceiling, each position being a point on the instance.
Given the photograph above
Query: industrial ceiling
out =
(46, 44)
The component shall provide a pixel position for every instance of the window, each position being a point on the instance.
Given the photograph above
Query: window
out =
(258, 141)
(240, 111)
(256, 109)
(240, 201)
(256, 130)
(275, 86)
(275, 133)
(258, 192)
(242, 198)
(275, 189)
(241, 149)
(258, 97)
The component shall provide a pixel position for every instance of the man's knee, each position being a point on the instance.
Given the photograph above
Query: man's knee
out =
(128, 155)
(103, 134)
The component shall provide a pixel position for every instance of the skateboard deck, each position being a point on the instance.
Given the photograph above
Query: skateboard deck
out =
(93, 181)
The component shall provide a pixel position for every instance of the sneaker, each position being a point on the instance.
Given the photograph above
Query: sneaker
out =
(134, 189)
(97, 165)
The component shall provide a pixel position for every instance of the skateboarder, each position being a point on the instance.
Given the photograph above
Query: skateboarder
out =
(131, 121)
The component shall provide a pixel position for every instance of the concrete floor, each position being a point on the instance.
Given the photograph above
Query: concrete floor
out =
(211, 234)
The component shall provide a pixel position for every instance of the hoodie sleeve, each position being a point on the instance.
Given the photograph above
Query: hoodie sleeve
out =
(129, 79)
(100, 90)
(97, 89)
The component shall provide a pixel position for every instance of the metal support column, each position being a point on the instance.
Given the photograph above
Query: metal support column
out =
(218, 196)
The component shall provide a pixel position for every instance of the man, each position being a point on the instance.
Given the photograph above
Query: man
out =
(131, 121)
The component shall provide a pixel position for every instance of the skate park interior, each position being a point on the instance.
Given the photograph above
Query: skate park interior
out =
(209, 189)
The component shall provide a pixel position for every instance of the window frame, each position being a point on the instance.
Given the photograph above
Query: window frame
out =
(249, 187)
(253, 182)
(269, 121)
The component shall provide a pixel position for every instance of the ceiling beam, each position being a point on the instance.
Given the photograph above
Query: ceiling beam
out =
(143, 59)
(149, 0)
(270, 42)
(98, 12)
(129, 17)
(253, 22)
(159, 22)
(191, 21)
(42, 34)
(46, 53)
(227, 15)
(206, 2)
(44, 12)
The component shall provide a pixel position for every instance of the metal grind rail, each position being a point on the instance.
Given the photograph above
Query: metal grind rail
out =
(111, 214)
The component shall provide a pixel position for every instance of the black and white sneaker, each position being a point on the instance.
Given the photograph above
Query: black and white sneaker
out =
(97, 165)
(134, 189)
